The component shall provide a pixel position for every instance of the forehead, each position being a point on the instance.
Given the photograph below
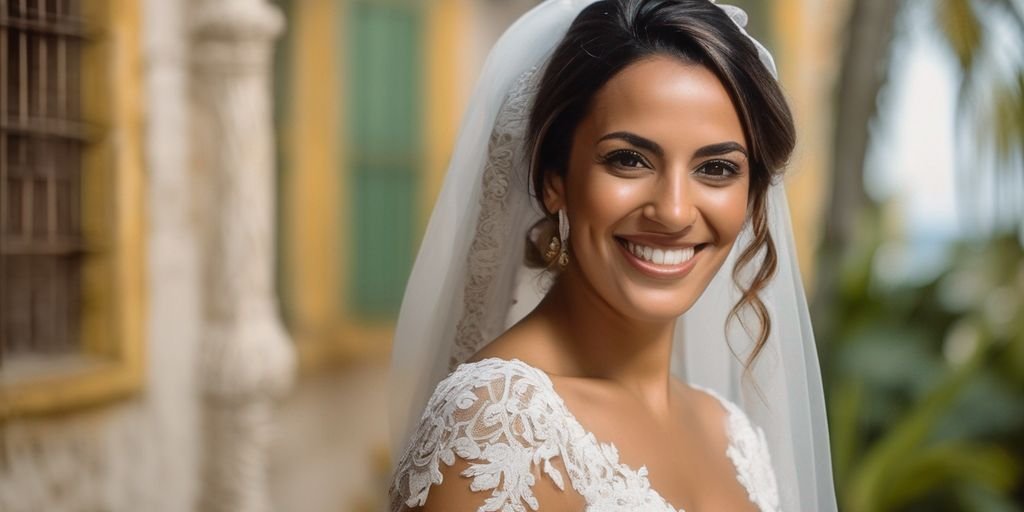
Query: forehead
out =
(676, 104)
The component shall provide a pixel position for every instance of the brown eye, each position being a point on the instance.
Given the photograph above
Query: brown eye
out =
(627, 159)
(719, 169)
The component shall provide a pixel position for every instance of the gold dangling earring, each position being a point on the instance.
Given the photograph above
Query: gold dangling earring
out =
(553, 250)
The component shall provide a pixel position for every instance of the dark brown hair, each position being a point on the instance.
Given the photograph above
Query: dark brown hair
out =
(609, 35)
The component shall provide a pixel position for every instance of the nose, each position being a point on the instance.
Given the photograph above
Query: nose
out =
(672, 203)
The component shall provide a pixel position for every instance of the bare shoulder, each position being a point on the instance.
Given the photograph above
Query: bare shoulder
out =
(526, 342)
(507, 346)
(712, 414)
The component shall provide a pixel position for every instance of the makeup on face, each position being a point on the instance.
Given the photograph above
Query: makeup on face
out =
(657, 187)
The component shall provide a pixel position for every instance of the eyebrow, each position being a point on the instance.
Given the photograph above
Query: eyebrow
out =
(720, 148)
(636, 140)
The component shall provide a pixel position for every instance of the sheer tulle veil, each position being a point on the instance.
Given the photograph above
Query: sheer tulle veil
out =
(469, 282)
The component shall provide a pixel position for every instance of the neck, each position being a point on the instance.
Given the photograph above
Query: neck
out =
(601, 343)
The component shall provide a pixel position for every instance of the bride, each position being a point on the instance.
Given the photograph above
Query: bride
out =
(661, 358)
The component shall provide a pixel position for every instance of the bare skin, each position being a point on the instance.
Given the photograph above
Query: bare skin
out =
(659, 160)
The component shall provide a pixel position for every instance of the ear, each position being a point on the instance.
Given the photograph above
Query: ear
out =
(554, 191)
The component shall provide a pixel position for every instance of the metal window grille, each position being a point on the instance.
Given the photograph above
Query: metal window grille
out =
(41, 143)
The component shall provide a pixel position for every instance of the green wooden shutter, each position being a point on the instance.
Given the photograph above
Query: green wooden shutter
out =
(384, 140)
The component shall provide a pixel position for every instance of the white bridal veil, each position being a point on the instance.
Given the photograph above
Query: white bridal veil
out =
(469, 282)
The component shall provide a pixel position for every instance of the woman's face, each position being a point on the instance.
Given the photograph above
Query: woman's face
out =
(656, 190)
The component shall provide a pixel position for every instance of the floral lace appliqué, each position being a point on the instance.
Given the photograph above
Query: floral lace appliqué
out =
(504, 419)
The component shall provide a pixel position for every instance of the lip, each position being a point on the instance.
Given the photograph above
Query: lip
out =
(660, 271)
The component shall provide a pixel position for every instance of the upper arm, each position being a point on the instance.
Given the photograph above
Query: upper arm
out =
(454, 493)
(492, 444)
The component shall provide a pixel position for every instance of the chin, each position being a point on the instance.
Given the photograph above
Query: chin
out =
(658, 305)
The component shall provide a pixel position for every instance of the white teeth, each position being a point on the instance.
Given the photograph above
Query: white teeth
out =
(661, 256)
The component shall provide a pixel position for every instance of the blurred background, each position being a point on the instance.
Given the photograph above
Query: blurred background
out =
(210, 207)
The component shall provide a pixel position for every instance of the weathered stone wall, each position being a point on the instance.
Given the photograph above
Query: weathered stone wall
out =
(327, 451)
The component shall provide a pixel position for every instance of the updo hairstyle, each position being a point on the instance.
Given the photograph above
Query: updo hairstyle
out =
(609, 35)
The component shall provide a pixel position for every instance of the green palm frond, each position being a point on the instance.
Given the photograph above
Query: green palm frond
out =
(1008, 107)
(1012, 8)
(991, 99)
(962, 29)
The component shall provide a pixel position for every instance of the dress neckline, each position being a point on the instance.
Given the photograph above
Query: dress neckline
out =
(608, 447)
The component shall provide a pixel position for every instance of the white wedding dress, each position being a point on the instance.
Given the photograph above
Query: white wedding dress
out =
(504, 418)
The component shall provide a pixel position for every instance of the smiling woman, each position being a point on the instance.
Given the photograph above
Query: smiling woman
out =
(657, 167)
(650, 139)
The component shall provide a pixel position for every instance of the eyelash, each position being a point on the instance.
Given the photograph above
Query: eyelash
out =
(730, 168)
(616, 158)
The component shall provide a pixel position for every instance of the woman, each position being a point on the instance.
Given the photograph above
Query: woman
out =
(666, 362)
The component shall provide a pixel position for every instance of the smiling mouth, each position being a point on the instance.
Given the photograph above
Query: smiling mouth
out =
(662, 256)
(662, 263)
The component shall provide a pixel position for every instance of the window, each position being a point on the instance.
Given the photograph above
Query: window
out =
(70, 262)
(368, 98)
(41, 140)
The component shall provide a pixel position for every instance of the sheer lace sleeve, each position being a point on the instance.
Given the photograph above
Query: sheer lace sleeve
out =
(505, 424)
(499, 419)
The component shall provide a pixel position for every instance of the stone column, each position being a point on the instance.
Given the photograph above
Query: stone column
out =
(247, 361)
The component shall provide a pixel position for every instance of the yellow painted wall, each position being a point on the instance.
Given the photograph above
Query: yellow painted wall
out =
(808, 55)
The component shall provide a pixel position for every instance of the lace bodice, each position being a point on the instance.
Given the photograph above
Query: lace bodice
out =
(504, 418)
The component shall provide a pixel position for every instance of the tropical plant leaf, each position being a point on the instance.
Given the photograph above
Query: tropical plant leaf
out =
(976, 497)
(946, 464)
(990, 104)
(844, 431)
(872, 480)
(1014, 9)
(962, 28)
(1008, 118)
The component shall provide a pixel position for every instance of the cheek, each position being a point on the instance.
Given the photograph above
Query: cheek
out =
(604, 199)
(725, 209)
